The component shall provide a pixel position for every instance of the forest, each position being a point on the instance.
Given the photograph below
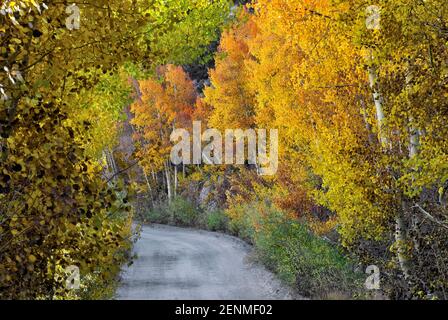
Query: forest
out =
(91, 93)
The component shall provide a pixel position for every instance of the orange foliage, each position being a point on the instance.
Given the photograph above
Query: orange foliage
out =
(229, 94)
(165, 104)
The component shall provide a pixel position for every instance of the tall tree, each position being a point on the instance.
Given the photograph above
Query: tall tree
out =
(166, 103)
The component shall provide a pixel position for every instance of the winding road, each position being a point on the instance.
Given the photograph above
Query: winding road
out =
(184, 264)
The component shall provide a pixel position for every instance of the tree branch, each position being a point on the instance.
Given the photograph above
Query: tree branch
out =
(122, 171)
(430, 217)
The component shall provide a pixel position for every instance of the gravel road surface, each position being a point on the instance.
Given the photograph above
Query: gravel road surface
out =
(185, 264)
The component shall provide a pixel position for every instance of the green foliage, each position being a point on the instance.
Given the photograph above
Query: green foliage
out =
(290, 249)
(179, 211)
(182, 212)
(103, 108)
(156, 214)
(216, 220)
(242, 221)
(196, 25)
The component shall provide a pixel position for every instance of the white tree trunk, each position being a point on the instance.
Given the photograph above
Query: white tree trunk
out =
(112, 167)
(149, 188)
(175, 181)
(372, 138)
(400, 227)
(168, 182)
(378, 100)
(401, 239)
(414, 140)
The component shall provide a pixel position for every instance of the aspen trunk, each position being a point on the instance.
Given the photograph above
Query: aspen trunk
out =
(114, 163)
(400, 226)
(108, 164)
(378, 100)
(149, 188)
(401, 239)
(168, 182)
(112, 167)
(414, 146)
(372, 138)
(414, 140)
(175, 181)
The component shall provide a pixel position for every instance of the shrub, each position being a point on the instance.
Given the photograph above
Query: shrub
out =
(290, 249)
(216, 221)
(182, 212)
(158, 214)
(243, 219)
(179, 212)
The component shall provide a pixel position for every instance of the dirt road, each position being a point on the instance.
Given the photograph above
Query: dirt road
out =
(175, 263)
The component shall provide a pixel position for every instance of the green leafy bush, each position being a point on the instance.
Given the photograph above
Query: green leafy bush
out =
(216, 221)
(179, 211)
(242, 221)
(182, 212)
(158, 214)
(290, 249)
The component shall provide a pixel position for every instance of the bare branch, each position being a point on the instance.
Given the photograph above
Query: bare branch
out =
(430, 217)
